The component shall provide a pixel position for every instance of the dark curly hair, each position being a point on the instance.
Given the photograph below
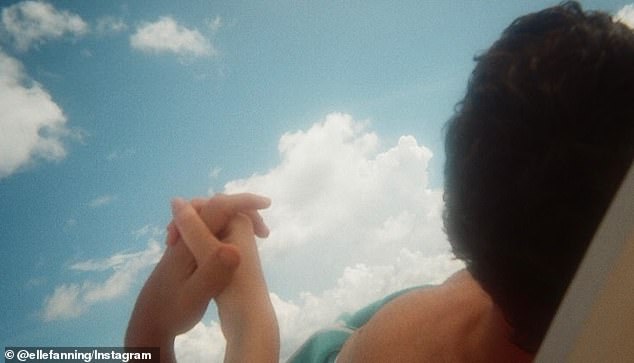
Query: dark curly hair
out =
(535, 152)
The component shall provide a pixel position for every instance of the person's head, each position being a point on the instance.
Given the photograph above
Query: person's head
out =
(535, 152)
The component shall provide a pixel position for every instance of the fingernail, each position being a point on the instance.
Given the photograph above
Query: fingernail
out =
(177, 204)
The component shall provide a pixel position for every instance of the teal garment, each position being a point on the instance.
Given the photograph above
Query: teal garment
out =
(325, 345)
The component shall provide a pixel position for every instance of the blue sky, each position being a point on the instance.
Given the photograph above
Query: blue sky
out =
(334, 109)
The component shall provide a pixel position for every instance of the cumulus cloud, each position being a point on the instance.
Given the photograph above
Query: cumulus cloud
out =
(352, 220)
(74, 299)
(167, 36)
(309, 312)
(626, 15)
(204, 343)
(32, 125)
(358, 286)
(334, 185)
(35, 22)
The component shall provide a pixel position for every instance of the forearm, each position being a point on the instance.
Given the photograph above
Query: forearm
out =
(258, 338)
(139, 336)
(246, 313)
(143, 330)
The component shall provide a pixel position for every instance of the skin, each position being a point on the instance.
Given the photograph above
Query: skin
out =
(455, 322)
(210, 253)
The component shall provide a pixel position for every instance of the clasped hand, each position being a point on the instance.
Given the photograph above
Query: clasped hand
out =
(210, 253)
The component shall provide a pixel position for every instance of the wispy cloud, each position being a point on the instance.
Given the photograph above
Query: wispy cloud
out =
(147, 231)
(70, 224)
(167, 36)
(32, 125)
(215, 24)
(64, 303)
(110, 25)
(102, 201)
(120, 154)
(626, 15)
(214, 173)
(36, 22)
(352, 220)
(71, 300)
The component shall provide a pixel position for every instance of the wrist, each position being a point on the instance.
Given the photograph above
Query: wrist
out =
(246, 315)
(256, 339)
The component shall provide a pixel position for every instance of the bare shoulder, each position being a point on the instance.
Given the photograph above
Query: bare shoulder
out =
(418, 326)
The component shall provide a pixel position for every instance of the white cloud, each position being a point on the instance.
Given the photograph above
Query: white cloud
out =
(74, 299)
(120, 154)
(204, 343)
(32, 125)
(86, 53)
(626, 15)
(351, 221)
(300, 317)
(167, 36)
(35, 22)
(333, 185)
(358, 286)
(214, 173)
(110, 24)
(102, 201)
(64, 303)
(148, 230)
(215, 24)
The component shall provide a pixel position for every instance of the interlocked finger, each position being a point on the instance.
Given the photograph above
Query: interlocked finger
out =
(220, 209)
(200, 241)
